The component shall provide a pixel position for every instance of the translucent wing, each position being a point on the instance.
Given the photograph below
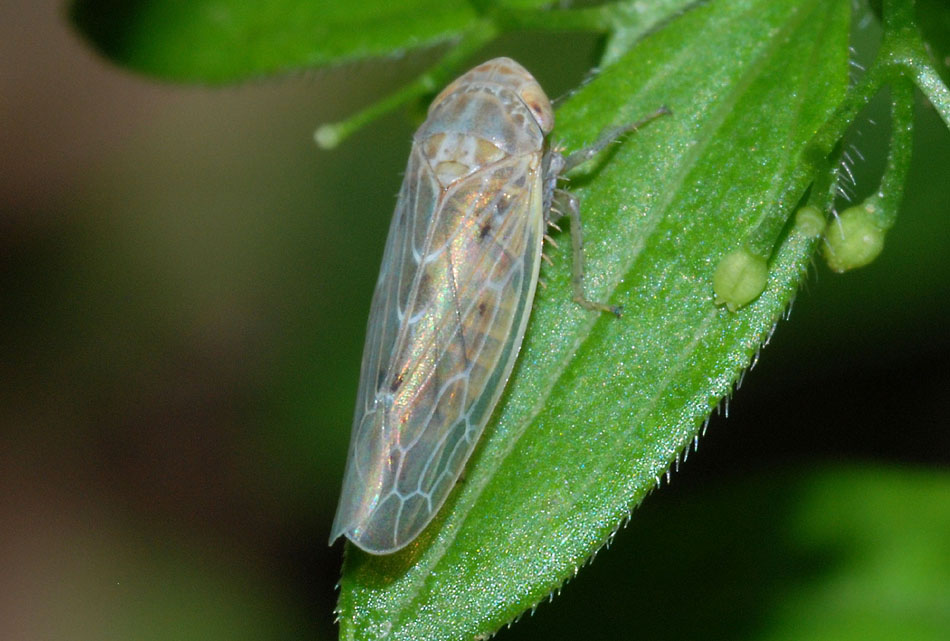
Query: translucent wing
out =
(446, 323)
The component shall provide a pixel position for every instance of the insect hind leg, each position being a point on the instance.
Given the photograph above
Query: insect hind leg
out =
(566, 204)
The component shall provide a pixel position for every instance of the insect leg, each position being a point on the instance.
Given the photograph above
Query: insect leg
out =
(583, 155)
(566, 204)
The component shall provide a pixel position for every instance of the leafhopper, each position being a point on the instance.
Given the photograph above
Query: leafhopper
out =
(455, 290)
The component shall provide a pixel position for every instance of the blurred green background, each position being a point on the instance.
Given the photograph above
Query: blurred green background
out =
(184, 282)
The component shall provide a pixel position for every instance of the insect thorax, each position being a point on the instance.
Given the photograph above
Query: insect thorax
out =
(476, 126)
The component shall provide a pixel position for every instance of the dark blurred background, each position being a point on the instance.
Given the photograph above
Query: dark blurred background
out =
(184, 281)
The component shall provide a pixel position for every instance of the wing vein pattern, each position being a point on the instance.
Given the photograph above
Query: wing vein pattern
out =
(449, 311)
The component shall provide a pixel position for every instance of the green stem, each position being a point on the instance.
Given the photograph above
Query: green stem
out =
(904, 53)
(891, 191)
(330, 135)
(902, 56)
(901, 62)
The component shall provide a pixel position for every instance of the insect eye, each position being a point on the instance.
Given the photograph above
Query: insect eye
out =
(535, 100)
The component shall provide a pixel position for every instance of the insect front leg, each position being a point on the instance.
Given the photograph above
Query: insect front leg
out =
(581, 156)
(565, 204)
(559, 202)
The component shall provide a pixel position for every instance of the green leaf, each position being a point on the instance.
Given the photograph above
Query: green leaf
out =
(220, 41)
(598, 408)
(226, 40)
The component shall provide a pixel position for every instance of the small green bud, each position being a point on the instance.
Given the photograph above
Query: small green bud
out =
(809, 221)
(739, 279)
(853, 239)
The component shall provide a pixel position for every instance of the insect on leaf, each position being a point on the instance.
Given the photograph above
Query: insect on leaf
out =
(597, 408)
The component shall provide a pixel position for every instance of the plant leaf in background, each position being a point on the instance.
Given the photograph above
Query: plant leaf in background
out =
(838, 552)
(597, 407)
(223, 41)
(216, 41)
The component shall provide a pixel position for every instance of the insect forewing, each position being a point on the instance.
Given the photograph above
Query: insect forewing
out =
(451, 304)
